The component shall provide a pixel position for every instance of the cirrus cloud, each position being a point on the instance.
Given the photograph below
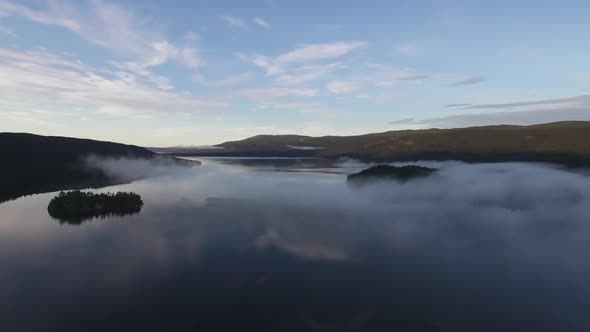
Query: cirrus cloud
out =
(276, 93)
(41, 80)
(305, 54)
(261, 22)
(343, 87)
(112, 27)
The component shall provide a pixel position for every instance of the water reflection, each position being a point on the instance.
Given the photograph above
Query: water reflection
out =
(281, 164)
(225, 248)
(104, 216)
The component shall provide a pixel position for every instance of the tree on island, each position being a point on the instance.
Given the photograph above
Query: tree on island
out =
(400, 173)
(74, 207)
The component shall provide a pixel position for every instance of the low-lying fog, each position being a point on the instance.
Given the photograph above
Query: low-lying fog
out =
(287, 245)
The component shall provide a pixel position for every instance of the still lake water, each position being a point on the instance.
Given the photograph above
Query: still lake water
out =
(286, 245)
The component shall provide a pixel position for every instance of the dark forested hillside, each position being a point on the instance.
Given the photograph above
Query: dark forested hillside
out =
(565, 143)
(32, 163)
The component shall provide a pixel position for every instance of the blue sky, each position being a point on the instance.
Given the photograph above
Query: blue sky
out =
(167, 73)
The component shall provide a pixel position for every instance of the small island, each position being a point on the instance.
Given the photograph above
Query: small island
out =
(74, 207)
(400, 173)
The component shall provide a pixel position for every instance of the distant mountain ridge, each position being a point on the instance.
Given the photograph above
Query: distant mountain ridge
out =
(566, 143)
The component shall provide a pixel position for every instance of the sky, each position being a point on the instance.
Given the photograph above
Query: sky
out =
(168, 73)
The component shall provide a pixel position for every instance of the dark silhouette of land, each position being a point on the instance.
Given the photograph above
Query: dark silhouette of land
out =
(35, 164)
(74, 207)
(565, 143)
(400, 173)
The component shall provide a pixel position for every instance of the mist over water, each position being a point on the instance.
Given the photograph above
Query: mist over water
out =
(287, 245)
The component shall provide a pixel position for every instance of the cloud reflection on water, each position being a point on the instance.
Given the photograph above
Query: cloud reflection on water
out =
(470, 246)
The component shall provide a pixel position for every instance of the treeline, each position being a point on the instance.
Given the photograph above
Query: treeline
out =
(565, 143)
(400, 173)
(34, 164)
(76, 206)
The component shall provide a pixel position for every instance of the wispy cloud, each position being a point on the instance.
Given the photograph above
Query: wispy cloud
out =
(305, 54)
(261, 22)
(407, 50)
(226, 81)
(577, 101)
(51, 17)
(386, 76)
(500, 118)
(343, 87)
(470, 80)
(403, 121)
(270, 93)
(305, 107)
(41, 80)
(112, 27)
(393, 78)
(304, 64)
(160, 81)
(298, 106)
(4, 30)
(307, 73)
(235, 22)
(575, 108)
(458, 105)
(361, 85)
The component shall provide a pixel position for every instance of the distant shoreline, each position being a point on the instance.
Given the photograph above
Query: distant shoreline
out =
(562, 143)
(562, 159)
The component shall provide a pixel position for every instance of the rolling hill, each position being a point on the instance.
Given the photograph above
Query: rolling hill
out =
(34, 164)
(566, 143)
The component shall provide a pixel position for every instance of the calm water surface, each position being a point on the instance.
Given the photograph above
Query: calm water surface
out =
(286, 245)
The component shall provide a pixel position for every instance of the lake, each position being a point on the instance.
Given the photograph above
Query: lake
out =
(287, 245)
